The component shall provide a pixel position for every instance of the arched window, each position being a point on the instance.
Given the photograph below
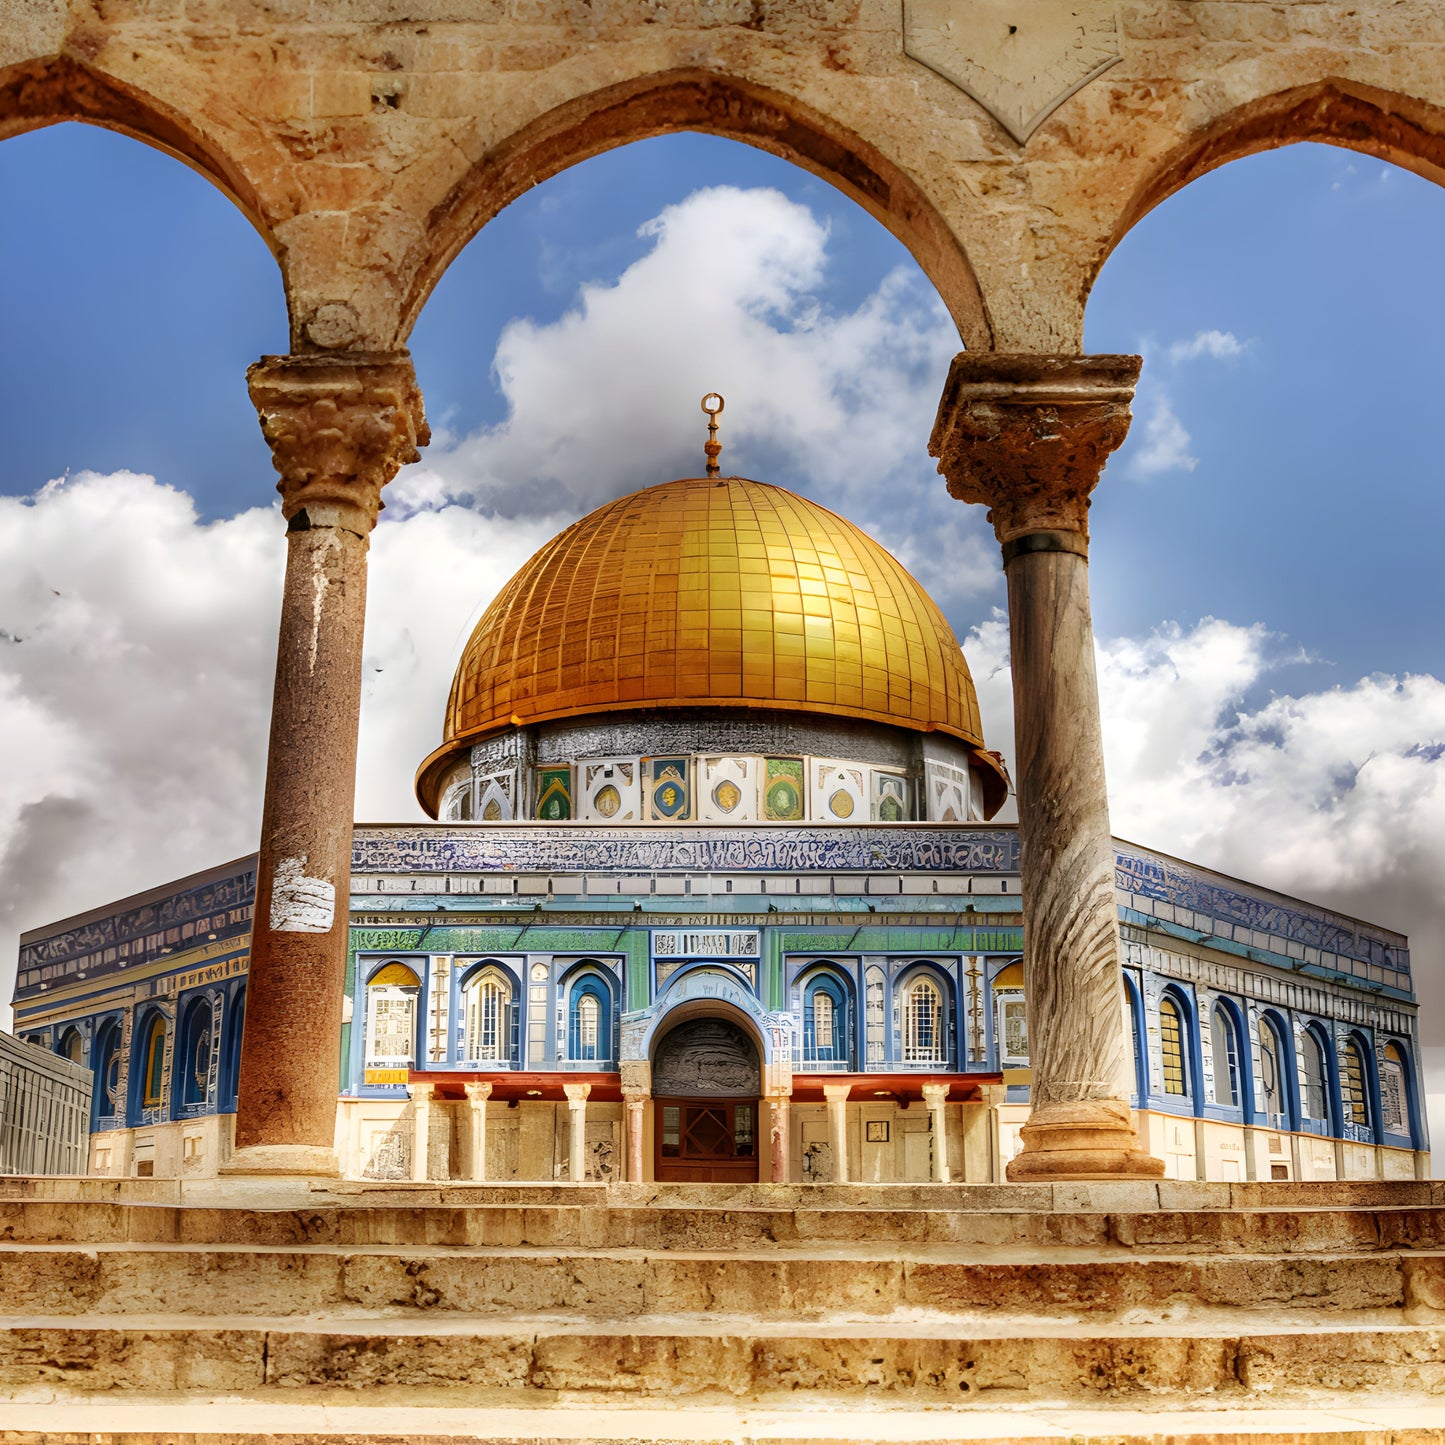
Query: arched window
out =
(1224, 1046)
(1394, 1091)
(231, 1059)
(487, 1011)
(391, 995)
(1352, 1085)
(194, 1058)
(924, 1023)
(827, 1021)
(153, 1059)
(1171, 1048)
(1272, 1063)
(1134, 1022)
(1316, 1102)
(71, 1046)
(589, 1036)
(107, 1101)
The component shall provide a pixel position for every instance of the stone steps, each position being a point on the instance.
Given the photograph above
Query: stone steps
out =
(665, 1227)
(196, 1279)
(702, 1359)
(486, 1419)
(330, 1313)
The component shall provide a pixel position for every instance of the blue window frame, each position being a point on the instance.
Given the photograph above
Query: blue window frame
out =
(827, 1021)
(589, 1020)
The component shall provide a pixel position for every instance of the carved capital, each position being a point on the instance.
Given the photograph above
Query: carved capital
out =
(338, 426)
(1027, 436)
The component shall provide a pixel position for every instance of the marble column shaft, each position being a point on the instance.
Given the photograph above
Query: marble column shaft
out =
(636, 1115)
(577, 1137)
(1028, 436)
(837, 1097)
(421, 1095)
(935, 1096)
(477, 1096)
(339, 427)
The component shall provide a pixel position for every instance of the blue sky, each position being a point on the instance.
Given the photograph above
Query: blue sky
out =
(1266, 589)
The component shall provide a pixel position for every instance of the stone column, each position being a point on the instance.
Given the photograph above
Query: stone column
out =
(935, 1096)
(779, 1108)
(1027, 436)
(339, 427)
(477, 1096)
(636, 1109)
(420, 1095)
(577, 1118)
(837, 1097)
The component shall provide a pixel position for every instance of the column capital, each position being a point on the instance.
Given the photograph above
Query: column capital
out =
(338, 426)
(635, 1097)
(576, 1093)
(837, 1093)
(420, 1092)
(935, 1094)
(478, 1093)
(1027, 436)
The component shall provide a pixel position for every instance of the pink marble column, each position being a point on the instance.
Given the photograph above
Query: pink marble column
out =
(339, 427)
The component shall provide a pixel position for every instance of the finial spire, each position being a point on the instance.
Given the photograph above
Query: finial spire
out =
(712, 404)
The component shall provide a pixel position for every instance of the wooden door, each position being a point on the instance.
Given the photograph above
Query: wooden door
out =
(706, 1141)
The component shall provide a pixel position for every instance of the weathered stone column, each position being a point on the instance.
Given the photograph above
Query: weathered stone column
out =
(420, 1095)
(577, 1119)
(935, 1096)
(1027, 436)
(636, 1111)
(779, 1108)
(837, 1097)
(477, 1096)
(339, 427)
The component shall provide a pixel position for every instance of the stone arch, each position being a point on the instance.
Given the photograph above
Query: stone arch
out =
(39, 93)
(1391, 127)
(724, 105)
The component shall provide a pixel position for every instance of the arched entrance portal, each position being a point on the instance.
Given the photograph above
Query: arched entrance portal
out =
(705, 1076)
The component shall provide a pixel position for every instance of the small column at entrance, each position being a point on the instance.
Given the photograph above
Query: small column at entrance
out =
(636, 1110)
(837, 1097)
(577, 1119)
(477, 1096)
(1027, 436)
(339, 426)
(780, 1106)
(420, 1129)
(935, 1096)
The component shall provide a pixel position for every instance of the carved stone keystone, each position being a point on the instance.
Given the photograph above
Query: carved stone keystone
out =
(1027, 436)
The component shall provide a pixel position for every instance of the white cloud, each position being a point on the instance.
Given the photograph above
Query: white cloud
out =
(1217, 345)
(135, 702)
(838, 404)
(1164, 446)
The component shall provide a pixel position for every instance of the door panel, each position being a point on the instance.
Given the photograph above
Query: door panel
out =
(706, 1141)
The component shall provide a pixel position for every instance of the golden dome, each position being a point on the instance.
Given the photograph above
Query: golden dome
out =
(711, 592)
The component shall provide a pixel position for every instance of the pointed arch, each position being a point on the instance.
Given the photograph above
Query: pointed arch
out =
(1391, 127)
(703, 100)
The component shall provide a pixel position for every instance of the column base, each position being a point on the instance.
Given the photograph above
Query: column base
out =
(314, 1160)
(1089, 1140)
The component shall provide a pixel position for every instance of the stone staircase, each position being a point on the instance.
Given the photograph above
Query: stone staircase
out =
(148, 1311)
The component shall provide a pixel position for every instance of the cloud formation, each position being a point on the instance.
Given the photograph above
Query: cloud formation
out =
(729, 298)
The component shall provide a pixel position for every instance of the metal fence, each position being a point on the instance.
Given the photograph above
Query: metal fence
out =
(44, 1111)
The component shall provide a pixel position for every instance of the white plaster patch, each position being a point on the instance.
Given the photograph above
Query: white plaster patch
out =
(300, 904)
